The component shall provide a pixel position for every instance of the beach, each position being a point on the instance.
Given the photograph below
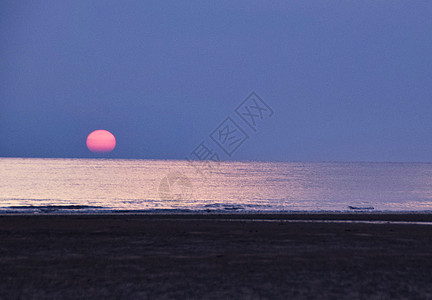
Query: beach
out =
(216, 256)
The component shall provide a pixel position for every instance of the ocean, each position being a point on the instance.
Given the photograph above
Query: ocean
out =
(33, 185)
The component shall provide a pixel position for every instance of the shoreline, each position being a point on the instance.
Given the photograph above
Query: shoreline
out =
(269, 216)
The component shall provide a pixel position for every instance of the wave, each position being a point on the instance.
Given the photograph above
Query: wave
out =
(204, 209)
(48, 208)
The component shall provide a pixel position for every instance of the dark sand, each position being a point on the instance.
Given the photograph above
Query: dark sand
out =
(214, 257)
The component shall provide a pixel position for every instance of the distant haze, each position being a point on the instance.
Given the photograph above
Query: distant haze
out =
(346, 80)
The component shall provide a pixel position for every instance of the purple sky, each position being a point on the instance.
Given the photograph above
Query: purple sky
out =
(347, 80)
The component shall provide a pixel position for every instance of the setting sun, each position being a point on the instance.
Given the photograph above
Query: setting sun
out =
(101, 141)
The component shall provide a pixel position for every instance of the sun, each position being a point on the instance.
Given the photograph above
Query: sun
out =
(101, 141)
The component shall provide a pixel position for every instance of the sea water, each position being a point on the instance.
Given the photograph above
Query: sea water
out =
(101, 185)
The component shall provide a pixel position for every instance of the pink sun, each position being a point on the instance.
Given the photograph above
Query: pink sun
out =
(101, 141)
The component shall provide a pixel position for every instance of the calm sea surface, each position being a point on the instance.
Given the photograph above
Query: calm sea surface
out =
(82, 185)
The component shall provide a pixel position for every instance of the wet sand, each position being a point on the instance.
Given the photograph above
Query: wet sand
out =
(215, 256)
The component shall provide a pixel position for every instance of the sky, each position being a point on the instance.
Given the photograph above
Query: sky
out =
(345, 80)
